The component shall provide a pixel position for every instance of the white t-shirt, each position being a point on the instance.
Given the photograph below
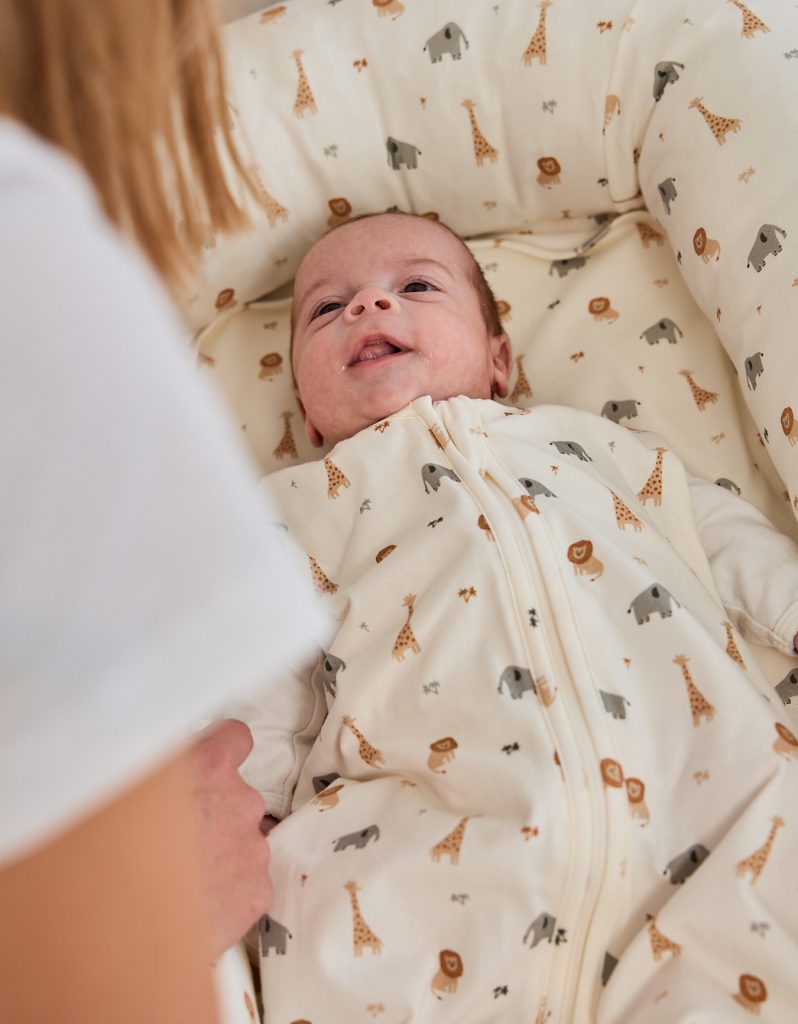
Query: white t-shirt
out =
(141, 585)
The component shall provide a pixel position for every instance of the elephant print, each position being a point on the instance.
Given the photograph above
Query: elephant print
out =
(665, 73)
(535, 489)
(571, 448)
(544, 927)
(654, 599)
(358, 840)
(667, 193)
(400, 153)
(766, 244)
(614, 704)
(432, 475)
(446, 40)
(753, 370)
(787, 689)
(564, 267)
(684, 864)
(664, 328)
(624, 409)
(273, 935)
(330, 667)
(517, 680)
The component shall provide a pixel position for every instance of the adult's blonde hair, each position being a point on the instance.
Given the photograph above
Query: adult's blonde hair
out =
(134, 90)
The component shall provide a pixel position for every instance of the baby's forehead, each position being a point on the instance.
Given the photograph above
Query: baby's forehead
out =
(392, 239)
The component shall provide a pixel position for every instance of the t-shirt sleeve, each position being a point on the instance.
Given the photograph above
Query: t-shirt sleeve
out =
(141, 584)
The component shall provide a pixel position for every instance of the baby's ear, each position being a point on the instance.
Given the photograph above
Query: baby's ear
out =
(314, 436)
(502, 359)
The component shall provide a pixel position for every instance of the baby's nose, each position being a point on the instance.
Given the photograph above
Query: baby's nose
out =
(370, 300)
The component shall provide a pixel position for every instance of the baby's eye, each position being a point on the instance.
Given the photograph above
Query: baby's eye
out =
(419, 286)
(325, 307)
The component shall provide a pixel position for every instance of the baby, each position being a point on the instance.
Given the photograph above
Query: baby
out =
(535, 774)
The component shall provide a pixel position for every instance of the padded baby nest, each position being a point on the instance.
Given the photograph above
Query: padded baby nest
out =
(547, 120)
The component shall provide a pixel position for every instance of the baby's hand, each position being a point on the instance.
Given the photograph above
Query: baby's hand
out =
(795, 643)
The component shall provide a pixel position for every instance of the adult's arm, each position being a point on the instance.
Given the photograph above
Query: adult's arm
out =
(121, 932)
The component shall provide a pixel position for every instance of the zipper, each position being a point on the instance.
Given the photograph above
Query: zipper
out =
(596, 842)
(579, 759)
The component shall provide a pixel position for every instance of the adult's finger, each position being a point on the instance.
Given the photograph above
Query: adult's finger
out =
(229, 740)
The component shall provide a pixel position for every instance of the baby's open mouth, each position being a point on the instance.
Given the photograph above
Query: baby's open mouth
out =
(376, 348)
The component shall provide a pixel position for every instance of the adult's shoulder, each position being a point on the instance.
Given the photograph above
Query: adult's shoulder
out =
(31, 166)
(64, 268)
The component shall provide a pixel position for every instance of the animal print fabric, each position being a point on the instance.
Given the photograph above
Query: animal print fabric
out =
(551, 117)
(550, 780)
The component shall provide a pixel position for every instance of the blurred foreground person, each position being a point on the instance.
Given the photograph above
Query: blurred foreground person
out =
(139, 587)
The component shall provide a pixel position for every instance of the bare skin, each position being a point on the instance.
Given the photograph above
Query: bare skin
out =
(122, 933)
(234, 853)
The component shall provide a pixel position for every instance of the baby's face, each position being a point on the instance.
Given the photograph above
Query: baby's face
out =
(386, 311)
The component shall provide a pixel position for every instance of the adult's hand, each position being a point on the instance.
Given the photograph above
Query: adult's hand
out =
(234, 852)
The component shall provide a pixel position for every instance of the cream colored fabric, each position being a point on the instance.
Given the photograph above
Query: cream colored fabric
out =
(543, 115)
(538, 727)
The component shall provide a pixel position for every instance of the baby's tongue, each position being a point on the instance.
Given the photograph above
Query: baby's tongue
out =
(375, 349)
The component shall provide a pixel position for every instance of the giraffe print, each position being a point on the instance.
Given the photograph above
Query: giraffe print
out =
(648, 234)
(274, 211)
(751, 23)
(699, 705)
(335, 479)
(537, 44)
(719, 126)
(652, 489)
(450, 844)
(482, 148)
(304, 96)
(624, 516)
(731, 645)
(522, 388)
(755, 864)
(362, 936)
(406, 640)
(287, 446)
(369, 754)
(660, 944)
(701, 396)
(321, 581)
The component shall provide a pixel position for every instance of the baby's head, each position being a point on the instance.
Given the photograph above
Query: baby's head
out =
(388, 308)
